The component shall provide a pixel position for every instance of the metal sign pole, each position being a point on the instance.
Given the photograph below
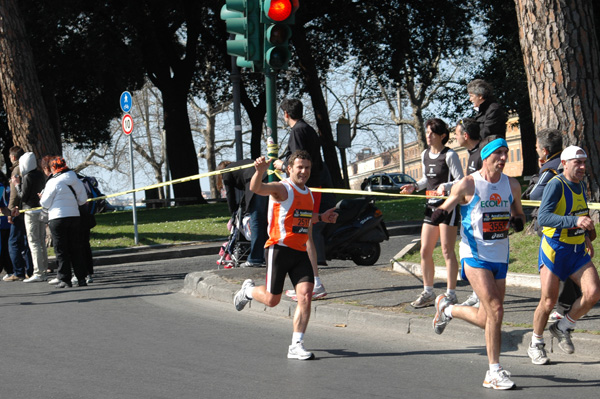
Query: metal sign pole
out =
(126, 102)
(135, 226)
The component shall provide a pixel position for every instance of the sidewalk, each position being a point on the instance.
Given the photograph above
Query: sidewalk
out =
(378, 297)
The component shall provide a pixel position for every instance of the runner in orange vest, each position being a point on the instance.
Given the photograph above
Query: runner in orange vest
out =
(289, 249)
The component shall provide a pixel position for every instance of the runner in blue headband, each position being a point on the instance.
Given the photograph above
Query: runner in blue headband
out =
(492, 146)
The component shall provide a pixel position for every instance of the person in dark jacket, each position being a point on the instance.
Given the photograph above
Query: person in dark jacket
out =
(32, 183)
(5, 262)
(20, 255)
(490, 115)
(238, 193)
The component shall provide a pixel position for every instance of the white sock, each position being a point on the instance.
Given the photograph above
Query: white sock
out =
(566, 323)
(297, 337)
(537, 339)
(448, 311)
(474, 295)
(248, 292)
(495, 367)
(317, 281)
(428, 289)
(450, 292)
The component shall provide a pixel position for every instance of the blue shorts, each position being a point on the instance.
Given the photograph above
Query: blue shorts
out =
(498, 269)
(562, 259)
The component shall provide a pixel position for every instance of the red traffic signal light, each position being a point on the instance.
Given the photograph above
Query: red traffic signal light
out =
(280, 10)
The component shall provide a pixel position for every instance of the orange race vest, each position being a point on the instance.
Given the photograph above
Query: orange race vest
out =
(290, 220)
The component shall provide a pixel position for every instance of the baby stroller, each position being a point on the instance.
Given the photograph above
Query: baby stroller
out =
(236, 250)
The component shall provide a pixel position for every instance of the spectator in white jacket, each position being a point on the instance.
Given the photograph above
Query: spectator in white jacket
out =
(63, 195)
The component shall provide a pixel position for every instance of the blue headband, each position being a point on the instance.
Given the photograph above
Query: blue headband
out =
(491, 147)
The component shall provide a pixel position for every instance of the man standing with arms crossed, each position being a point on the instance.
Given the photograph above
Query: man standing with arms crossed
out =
(566, 251)
(289, 249)
(487, 198)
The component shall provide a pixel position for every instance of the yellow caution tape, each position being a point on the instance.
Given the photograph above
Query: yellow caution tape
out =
(279, 174)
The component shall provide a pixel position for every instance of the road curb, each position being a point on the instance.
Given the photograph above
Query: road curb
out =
(209, 285)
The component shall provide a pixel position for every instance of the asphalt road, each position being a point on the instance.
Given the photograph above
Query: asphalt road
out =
(131, 334)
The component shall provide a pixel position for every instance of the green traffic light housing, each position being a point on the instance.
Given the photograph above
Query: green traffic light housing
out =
(242, 18)
(276, 17)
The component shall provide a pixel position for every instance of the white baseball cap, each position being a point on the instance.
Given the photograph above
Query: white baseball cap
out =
(573, 152)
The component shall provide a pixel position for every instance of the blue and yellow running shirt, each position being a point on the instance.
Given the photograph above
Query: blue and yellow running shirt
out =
(485, 219)
(562, 204)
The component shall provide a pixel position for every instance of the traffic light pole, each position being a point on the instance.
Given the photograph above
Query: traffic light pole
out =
(271, 94)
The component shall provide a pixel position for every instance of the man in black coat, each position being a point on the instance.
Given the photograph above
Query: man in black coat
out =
(490, 115)
(238, 193)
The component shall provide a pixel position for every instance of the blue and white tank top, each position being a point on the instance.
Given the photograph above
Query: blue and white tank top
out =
(485, 219)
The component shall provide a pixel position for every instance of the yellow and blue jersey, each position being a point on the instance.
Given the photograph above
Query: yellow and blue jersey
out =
(569, 203)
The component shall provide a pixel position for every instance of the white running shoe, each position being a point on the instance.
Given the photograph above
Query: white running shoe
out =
(537, 353)
(55, 280)
(472, 300)
(564, 338)
(440, 321)
(452, 298)
(34, 279)
(297, 351)
(424, 299)
(318, 293)
(555, 316)
(498, 380)
(240, 299)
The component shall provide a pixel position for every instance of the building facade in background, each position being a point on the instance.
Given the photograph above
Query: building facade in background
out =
(368, 163)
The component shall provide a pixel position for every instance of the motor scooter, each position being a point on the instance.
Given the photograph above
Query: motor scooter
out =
(357, 233)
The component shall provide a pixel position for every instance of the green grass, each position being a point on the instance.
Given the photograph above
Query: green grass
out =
(200, 223)
(161, 226)
(403, 209)
(523, 254)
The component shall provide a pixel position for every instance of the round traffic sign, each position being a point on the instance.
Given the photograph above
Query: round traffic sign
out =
(125, 101)
(127, 124)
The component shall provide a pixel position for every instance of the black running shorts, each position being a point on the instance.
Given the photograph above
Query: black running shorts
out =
(283, 260)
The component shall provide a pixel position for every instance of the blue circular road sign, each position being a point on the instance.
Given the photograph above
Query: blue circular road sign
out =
(125, 101)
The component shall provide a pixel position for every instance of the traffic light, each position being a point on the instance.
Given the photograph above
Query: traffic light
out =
(243, 19)
(276, 17)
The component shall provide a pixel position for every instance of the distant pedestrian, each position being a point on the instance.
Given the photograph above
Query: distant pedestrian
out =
(5, 262)
(238, 194)
(20, 255)
(32, 183)
(490, 115)
(441, 170)
(63, 195)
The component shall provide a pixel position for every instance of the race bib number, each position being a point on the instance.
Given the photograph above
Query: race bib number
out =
(301, 221)
(495, 225)
(577, 231)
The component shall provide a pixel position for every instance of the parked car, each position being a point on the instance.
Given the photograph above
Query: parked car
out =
(386, 182)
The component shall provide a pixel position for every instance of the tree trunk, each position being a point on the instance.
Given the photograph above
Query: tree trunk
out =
(211, 162)
(313, 85)
(21, 93)
(181, 151)
(256, 114)
(560, 52)
(528, 139)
